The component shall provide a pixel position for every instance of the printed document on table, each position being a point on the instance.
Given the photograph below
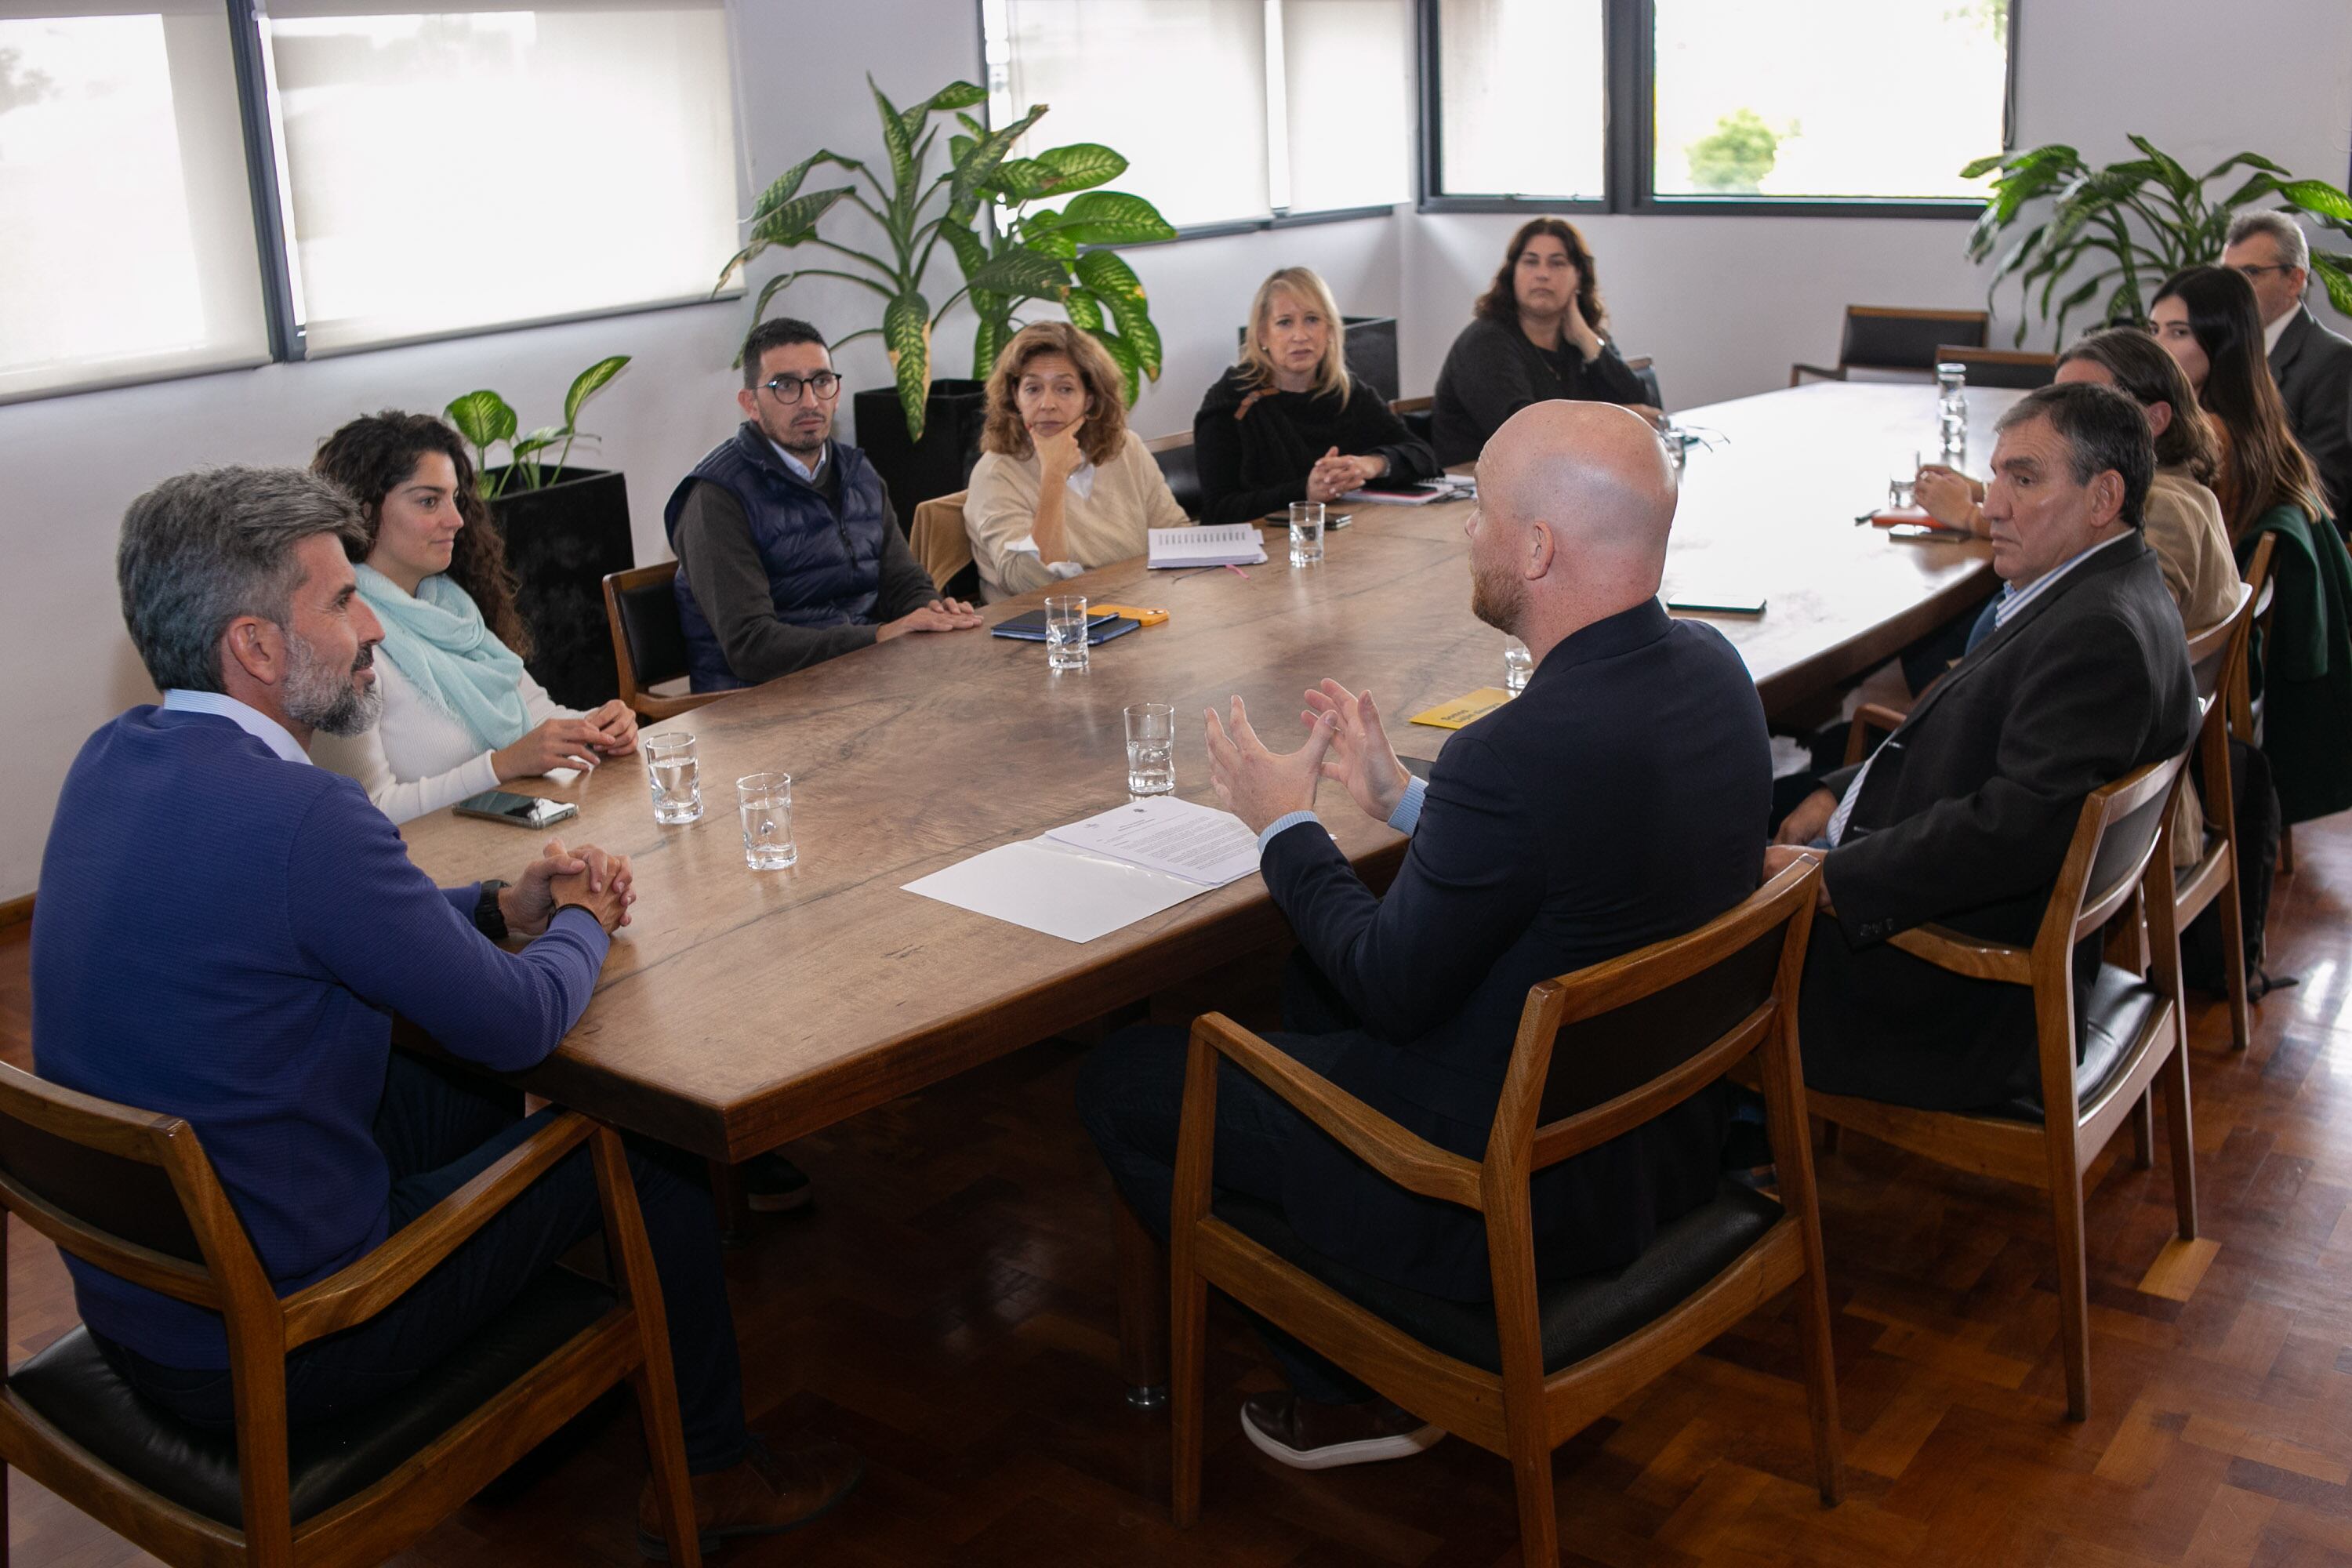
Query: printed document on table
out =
(1058, 889)
(1225, 544)
(1161, 833)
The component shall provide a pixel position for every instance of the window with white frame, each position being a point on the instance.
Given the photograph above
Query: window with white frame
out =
(1522, 90)
(1880, 100)
(127, 246)
(500, 164)
(1226, 111)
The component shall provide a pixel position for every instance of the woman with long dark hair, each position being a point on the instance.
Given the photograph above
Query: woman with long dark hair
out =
(460, 713)
(1538, 332)
(2205, 317)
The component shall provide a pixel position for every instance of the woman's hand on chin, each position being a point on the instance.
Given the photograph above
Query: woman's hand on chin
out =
(1059, 454)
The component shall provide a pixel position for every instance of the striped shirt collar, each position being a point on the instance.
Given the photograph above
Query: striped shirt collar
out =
(2013, 598)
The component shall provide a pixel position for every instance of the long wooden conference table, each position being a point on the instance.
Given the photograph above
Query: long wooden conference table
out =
(741, 1009)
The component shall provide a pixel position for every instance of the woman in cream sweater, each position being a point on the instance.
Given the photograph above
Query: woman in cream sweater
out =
(1062, 485)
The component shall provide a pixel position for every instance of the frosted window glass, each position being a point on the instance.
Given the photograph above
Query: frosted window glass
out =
(1178, 87)
(1522, 85)
(467, 169)
(1348, 70)
(126, 224)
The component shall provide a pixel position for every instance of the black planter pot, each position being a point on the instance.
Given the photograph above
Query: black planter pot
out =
(915, 471)
(562, 539)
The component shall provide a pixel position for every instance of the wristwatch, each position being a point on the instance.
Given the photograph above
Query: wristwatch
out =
(488, 919)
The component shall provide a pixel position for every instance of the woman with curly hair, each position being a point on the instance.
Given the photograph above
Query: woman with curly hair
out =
(1289, 423)
(460, 713)
(1062, 485)
(1538, 332)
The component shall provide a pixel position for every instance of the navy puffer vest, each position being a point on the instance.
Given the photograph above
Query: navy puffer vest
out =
(824, 566)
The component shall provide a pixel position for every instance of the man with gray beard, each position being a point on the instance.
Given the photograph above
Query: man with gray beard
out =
(224, 934)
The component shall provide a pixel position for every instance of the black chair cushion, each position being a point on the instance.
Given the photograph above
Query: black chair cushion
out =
(656, 638)
(73, 1387)
(2120, 1004)
(1181, 467)
(1579, 1316)
(1421, 424)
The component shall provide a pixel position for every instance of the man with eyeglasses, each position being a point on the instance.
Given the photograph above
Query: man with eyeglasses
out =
(2312, 365)
(788, 550)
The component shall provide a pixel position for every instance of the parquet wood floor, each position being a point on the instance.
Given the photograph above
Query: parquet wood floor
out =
(948, 1308)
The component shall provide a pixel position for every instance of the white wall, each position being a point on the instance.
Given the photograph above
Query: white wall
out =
(1725, 304)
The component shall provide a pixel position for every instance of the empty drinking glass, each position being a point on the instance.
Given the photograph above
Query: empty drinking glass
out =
(1152, 749)
(674, 775)
(1306, 532)
(1517, 665)
(1065, 632)
(764, 803)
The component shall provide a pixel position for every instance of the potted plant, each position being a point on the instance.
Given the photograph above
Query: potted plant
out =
(564, 527)
(2134, 223)
(922, 433)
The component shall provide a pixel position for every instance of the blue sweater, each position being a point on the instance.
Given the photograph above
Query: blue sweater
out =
(225, 935)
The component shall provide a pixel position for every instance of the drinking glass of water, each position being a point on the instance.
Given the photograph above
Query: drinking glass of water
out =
(1152, 749)
(674, 775)
(1517, 665)
(765, 804)
(1901, 488)
(1306, 532)
(1065, 632)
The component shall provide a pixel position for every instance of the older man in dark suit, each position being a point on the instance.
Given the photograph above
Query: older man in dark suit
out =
(2312, 365)
(1621, 799)
(1963, 816)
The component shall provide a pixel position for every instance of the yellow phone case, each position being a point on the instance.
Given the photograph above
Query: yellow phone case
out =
(1139, 616)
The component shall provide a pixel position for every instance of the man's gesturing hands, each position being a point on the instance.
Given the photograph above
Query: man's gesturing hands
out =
(1258, 785)
(1362, 761)
(1344, 743)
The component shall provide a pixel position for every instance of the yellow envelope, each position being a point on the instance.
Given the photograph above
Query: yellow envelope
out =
(1463, 711)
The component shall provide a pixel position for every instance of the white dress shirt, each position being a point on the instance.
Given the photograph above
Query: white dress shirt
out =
(250, 720)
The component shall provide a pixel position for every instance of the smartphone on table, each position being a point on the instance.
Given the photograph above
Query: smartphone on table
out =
(519, 810)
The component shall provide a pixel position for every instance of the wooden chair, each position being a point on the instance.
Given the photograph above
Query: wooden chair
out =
(2245, 716)
(1599, 1051)
(2214, 655)
(2001, 367)
(648, 643)
(132, 1193)
(1892, 338)
(937, 537)
(2131, 1037)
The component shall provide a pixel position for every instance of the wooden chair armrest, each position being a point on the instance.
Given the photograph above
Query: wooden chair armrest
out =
(1971, 956)
(1797, 371)
(1405, 1158)
(1868, 717)
(355, 1294)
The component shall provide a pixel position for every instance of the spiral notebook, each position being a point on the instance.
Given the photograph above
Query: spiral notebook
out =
(1227, 544)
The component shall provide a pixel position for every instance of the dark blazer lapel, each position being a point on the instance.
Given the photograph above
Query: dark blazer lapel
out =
(2299, 328)
(2109, 559)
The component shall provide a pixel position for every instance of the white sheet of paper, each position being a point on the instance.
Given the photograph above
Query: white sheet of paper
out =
(1164, 834)
(1056, 889)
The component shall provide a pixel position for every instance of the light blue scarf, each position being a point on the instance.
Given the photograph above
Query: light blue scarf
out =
(439, 640)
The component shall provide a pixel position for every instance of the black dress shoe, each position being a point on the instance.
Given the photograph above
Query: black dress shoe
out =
(773, 1184)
